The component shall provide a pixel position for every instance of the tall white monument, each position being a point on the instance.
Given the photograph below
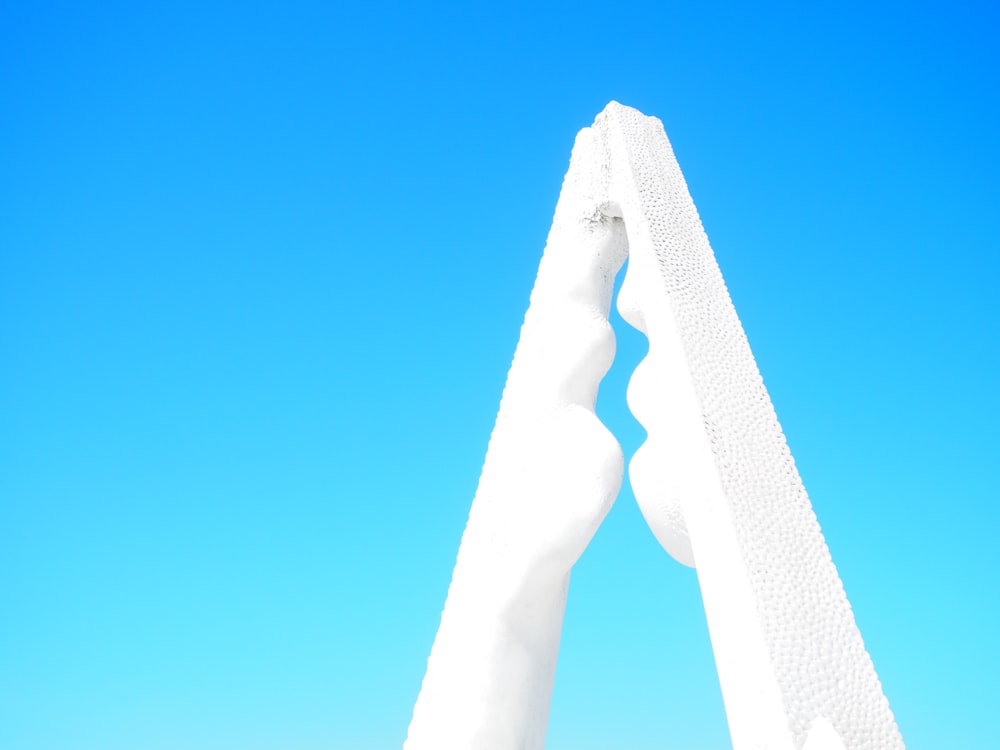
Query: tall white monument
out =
(715, 481)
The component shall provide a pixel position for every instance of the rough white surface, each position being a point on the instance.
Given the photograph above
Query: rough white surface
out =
(715, 481)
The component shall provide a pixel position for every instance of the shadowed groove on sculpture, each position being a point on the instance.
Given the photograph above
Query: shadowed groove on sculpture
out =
(714, 481)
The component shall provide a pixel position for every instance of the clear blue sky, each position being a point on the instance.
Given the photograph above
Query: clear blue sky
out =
(262, 270)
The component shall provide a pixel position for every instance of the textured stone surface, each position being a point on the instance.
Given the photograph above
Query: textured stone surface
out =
(715, 481)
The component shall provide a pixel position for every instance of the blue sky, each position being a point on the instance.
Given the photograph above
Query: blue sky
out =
(262, 270)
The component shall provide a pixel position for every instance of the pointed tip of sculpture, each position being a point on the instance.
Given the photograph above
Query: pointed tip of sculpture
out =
(614, 105)
(615, 109)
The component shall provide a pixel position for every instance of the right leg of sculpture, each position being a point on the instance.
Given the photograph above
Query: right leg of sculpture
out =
(718, 485)
(551, 474)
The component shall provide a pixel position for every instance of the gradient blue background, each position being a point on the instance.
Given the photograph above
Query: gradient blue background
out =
(262, 271)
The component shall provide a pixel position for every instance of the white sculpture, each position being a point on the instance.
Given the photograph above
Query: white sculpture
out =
(715, 481)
